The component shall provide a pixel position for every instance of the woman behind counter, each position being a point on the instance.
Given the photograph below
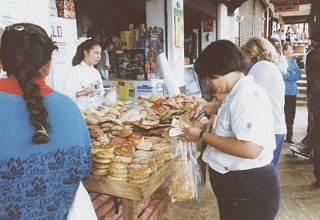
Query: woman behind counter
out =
(44, 141)
(84, 84)
(241, 148)
(291, 77)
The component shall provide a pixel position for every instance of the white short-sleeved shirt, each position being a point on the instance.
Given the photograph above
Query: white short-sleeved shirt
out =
(268, 76)
(104, 61)
(81, 77)
(246, 115)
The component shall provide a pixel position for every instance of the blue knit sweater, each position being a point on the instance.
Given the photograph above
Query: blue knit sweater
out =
(40, 181)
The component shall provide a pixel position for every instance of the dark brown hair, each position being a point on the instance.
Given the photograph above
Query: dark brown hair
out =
(25, 48)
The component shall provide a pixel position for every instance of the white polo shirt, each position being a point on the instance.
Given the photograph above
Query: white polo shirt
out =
(268, 76)
(245, 114)
(80, 77)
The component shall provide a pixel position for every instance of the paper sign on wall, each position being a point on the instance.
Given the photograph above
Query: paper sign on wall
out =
(178, 28)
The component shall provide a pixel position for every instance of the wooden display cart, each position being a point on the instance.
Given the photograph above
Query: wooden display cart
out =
(131, 194)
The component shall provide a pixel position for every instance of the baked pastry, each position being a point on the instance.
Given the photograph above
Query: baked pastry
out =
(154, 140)
(118, 175)
(106, 125)
(125, 150)
(118, 178)
(144, 145)
(118, 140)
(146, 172)
(119, 165)
(101, 165)
(144, 154)
(101, 160)
(182, 181)
(98, 113)
(114, 112)
(117, 128)
(105, 154)
(139, 177)
(115, 133)
(137, 167)
(111, 116)
(96, 132)
(126, 133)
(122, 159)
(106, 130)
(120, 171)
(103, 139)
(142, 161)
(136, 138)
(99, 172)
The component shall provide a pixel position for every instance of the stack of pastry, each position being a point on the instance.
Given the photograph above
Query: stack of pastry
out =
(119, 166)
(141, 166)
(102, 159)
(165, 147)
(182, 181)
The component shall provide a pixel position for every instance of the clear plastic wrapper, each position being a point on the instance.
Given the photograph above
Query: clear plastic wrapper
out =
(186, 173)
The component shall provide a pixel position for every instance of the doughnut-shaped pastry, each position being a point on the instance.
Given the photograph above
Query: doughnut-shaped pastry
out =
(125, 150)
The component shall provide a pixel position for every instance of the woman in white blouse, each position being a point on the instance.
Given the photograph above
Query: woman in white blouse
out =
(240, 149)
(84, 84)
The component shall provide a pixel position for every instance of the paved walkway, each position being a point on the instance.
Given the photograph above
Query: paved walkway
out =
(299, 200)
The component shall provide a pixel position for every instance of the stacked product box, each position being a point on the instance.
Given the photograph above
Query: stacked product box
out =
(66, 9)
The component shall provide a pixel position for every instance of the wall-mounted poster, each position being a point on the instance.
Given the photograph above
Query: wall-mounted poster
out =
(207, 24)
(178, 27)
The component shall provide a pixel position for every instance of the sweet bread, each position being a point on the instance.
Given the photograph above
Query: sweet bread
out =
(98, 113)
(118, 178)
(136, 138)
(117, 165)
(154, 140)
(96, 132)
(119, 175)
(118, 140)
(89, 111)
(101, 160)
(120, 171)
(122, 159)
(139, 177)
(103, 139)
(141, 173)
(93, 126)
(144, 145)
(117, 128)
(114, 112)
(144, 154)
(105, 155)
(99, 172)
(126, 133)
(106, 125)
(111, 116)
(116, 133)
(101, 165)
(125, 150)
(106, 130)
(142, 161)
(137, 167)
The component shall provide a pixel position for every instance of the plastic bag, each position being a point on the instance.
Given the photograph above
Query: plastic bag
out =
(81, 207)
(186, 173)
(111, 96)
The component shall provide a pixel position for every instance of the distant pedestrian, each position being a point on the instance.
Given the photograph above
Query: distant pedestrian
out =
(104, 65)
(263, 58)
(290, 78)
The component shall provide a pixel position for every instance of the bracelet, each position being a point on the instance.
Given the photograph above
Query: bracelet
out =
(200, 135)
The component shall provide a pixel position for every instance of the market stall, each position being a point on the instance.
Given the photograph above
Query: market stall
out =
(131, 150)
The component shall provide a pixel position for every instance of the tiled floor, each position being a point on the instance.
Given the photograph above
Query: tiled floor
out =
(299, 200)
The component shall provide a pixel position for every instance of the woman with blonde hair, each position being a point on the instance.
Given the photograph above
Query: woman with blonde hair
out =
(262, 59)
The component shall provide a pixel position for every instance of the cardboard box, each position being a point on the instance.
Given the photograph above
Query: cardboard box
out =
(148, 87)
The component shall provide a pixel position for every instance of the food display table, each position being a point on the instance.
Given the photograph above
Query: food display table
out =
(132, 193)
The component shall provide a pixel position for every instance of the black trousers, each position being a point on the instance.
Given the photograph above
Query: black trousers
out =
(248, 194)
(290, 113)
(307, 139)
(315, 134)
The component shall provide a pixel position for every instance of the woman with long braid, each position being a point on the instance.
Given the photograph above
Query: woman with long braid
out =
(44, 141)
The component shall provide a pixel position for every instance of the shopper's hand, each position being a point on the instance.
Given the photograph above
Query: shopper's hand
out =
(196, 110)
(89, 91)
(191, 134)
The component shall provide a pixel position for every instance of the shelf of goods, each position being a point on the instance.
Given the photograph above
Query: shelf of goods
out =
(131, 149)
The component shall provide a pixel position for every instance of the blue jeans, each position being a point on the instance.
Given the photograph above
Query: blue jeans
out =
(277, 151)
(247, 194)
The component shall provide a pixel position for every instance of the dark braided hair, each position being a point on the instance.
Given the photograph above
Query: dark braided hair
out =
(25, 48)
(84, 46)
